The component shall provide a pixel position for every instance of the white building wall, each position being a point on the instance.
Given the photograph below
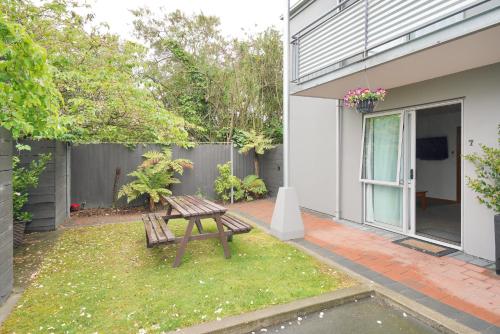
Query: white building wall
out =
(350, 190)
(313, 146)
(312, 152)
(479, 89)
(312, 140)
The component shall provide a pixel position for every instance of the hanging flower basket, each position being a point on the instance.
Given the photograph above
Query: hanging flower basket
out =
(363, 99)
(365, 106)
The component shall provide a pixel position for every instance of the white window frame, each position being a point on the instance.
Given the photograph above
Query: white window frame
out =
(397, 182)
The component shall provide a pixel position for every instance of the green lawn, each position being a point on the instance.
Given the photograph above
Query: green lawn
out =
(103, 279)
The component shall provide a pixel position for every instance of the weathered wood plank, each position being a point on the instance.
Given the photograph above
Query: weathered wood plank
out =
(157, 229)
(195, 208)
(223, 237)
(172, 202)
(235, 225)
(5, 163)
(229, 225)
(150, 236)
(183, 243)
(186, 205)
(170, 236)
(199, 203)
(216, 207)
(5, 148)
(237, 222)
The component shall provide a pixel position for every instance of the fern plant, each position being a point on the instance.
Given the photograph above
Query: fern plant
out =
(487, 181)
(249, 189)
(253, 187)
(154, 177)
(257, 142)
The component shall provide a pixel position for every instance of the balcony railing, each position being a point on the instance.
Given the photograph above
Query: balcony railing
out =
(357, 29)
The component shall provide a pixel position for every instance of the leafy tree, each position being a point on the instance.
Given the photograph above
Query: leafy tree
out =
(216, 84)
(98, 75)
(487, 180)
(29, 100)
(154, 177)
(256, 142)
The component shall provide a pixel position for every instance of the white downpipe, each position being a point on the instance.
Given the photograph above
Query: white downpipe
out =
(286, 223)
(286, 93)
(338, 145)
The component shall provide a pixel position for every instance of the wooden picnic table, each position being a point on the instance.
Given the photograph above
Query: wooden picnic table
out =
(194, 209)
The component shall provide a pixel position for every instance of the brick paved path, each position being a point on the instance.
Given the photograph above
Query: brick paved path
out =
(464, 286)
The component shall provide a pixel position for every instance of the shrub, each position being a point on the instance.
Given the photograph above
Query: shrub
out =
(24, 178)
(154, 177)
(249, 189)
(253, 187)
(225, 181)
(487, 180)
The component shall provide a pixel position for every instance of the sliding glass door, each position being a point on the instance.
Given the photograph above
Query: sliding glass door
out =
(382, 169)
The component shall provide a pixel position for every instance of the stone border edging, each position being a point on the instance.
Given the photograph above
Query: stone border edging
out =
(417, 310)
(252, 321)
(424, 313)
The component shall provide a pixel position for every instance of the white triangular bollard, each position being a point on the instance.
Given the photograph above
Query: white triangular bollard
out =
(287, 221)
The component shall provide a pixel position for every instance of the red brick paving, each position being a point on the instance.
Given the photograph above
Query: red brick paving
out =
(464, 286)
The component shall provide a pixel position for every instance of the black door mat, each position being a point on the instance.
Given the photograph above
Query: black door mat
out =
(425, 247)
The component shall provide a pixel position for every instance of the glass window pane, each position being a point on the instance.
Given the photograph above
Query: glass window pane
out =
(384, 205)
(381, 145)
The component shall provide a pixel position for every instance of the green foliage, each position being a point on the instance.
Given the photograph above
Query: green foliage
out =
(251, 140)
(29, 100)
(154, 177)
(225, 182)
(106, 99)
(249, 189)
(187, 83)
(253, 187)
(255, 141)
(487, 180)
(23, 179)
(162, 161)
(218, 85)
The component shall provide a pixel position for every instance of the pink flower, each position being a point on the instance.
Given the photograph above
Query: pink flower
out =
(353, 97)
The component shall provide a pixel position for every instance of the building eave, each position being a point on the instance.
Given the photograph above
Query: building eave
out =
(299, 6)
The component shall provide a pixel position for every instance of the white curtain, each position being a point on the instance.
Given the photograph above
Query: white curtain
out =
(380, 163)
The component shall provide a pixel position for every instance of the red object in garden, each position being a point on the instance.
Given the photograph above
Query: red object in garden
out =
(74, 207)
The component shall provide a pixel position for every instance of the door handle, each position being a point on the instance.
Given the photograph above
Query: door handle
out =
(411, 174)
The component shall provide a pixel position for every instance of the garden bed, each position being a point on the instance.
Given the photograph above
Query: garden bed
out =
(104, 279)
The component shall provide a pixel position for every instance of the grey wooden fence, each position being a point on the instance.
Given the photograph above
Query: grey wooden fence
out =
(6, 272)
(49, 202)
(99, 170)
(271, 169)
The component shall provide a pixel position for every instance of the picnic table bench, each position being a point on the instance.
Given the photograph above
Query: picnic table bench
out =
(193, 209)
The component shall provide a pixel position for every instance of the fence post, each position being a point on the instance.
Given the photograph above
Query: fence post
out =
(232, 170)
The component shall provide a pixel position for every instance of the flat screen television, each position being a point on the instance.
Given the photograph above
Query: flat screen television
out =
(435, 148)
